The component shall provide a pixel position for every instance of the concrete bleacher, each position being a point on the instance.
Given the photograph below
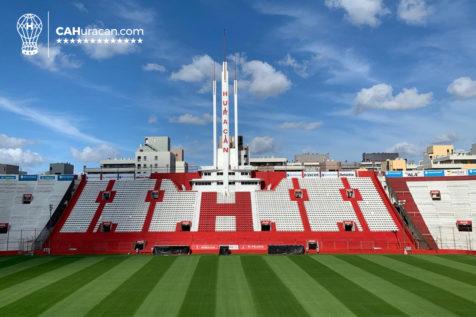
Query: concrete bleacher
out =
(276, 206)
(26, 221)
(457, 203)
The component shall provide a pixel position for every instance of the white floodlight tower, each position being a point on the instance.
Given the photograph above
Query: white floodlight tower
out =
(235, 103)
(225, 123)
(214, 90)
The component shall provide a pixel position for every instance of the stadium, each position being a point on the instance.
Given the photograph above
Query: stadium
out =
(240, 236)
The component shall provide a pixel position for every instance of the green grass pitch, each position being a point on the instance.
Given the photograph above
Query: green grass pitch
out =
(247, 285)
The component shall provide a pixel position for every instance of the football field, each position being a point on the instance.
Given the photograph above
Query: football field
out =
(320, 285)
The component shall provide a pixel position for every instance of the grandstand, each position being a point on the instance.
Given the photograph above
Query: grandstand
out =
(27, 204)
(442, 209)
(331, 214)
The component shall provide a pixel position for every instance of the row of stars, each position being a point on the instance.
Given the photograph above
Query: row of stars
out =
(99, 41)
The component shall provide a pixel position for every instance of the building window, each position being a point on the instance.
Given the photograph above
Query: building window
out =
(138, 159)
(145, 158)
(156, 165)
(156, 157)
(138, 166)
(145, 165)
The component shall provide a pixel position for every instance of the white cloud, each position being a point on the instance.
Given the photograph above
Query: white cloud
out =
(153, 67)
(56, 61)
(11, 152)
(94, 154)
(152, 119)
(463, 87)
(19, 156)
(301, 125)
(104, 51)
(56, 123)
(446, 138)
(343, 65)
(413, 11)
(263, 80)
(133, 12)
(361, 12)
(188, 118)
(80, 6)
(405, 150)
(301, 68)
(262, 144)
(11, 142)
(199, 70)
(259, 78)
(381, 97)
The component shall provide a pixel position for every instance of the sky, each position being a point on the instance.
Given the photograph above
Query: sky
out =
(334, 76)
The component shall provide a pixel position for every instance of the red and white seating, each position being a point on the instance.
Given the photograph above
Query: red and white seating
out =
(177, 206)
(276, 206)
(326, 208)
(372, 206)
(128, 209)
(85, 208)
(219, 212)
(164, 210)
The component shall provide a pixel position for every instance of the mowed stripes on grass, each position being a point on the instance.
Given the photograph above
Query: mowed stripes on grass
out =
(248, 285)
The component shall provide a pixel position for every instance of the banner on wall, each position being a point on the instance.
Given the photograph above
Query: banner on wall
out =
(311, 174)
(472, 172)
(456, 172)
(413, 173)
(434, 173)
(347, 173)
(329, 174)
(126, 176)
(47, 177)
(391, 174)
(293, 174)
(9, 177)
(65, 177)
(28, 178)
(109, 176)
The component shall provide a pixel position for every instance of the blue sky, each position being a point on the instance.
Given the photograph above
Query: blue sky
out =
(336, 76)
